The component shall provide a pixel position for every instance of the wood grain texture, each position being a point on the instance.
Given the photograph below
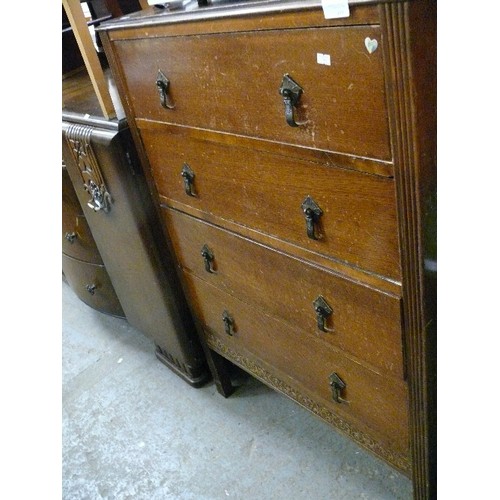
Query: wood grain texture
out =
(80, 275)
(377, 405)
(326, 158)
(155, 22)
(230, 83)
(265, 192)
(365, 324)
(82, 246)
(411, 64)
(406, 55)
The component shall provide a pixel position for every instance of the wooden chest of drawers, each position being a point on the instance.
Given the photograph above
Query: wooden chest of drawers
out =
(82, 264)
(291, 158)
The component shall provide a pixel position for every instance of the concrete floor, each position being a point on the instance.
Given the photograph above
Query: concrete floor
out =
(132, 429)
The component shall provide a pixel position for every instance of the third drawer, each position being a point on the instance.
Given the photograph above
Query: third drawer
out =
(365, 323)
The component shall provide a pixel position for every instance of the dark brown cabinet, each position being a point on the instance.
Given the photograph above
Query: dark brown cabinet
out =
(82, 265)
(107, 178)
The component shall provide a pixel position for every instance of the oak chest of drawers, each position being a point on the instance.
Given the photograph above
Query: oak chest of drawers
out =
(291, 158)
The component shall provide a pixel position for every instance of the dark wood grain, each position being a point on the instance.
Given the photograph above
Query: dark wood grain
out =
(265, 192)
(365, 324)
(81, 275)
(230, 83)
(82, 246)
(129, 240)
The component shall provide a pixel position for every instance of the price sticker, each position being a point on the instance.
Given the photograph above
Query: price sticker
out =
(334, 9)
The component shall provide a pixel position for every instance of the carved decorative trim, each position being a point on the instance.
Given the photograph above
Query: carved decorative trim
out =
(399, 461)
(194, 375)
(78, 138)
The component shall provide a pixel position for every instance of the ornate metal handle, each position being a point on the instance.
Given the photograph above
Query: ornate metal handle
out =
(337, 385)
(208, 257)
(71, 237)
(312, 213)
(228, 323)
(91, 288)
(188, 176)
(100, 199)
(291, 92)
(323, 311)
(163, 85)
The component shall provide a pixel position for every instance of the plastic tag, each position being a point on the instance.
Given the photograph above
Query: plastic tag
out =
(334, 9)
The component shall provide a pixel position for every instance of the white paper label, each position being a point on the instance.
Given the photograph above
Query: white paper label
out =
(334, 9)
(323, 59)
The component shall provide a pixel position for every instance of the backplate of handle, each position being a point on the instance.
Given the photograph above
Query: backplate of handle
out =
(323, 311)
(337, 385)
(312, 213)
(163, 87)
(291, 92)
(228, 321)
(208, 259)
(188, 176)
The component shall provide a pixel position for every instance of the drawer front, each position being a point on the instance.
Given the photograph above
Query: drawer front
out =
(92, 285)
(77, 239)
(231, 83)
(266, 192)
(363, 322)
(376, 404)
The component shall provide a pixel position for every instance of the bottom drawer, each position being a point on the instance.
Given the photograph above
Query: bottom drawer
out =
(371, 409)
(92, 285)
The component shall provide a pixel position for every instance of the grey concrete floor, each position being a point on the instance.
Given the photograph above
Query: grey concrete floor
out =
(132, 429)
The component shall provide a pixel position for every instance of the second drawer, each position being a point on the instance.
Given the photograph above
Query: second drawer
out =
(363, 322)
(339, 214)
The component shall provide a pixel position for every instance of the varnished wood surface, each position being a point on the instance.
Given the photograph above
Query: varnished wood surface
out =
(230, 83)
(265, 192)
(377, 404)
(81, 274)
(78, 94)
(128, 239)
(83, 246)
(326, 158)
(410, 44)
(365, 324)
(407, 48)
(298, 14)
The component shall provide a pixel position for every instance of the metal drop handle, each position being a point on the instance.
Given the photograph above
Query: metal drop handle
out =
(312, 213)
(188, 176)
(163, 87)
(291, 92)
(91, 288)
(208, 258)
(323, 311)
(338, 386)
(228, 323)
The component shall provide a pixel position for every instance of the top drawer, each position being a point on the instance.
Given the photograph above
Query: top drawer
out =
(230, 82)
